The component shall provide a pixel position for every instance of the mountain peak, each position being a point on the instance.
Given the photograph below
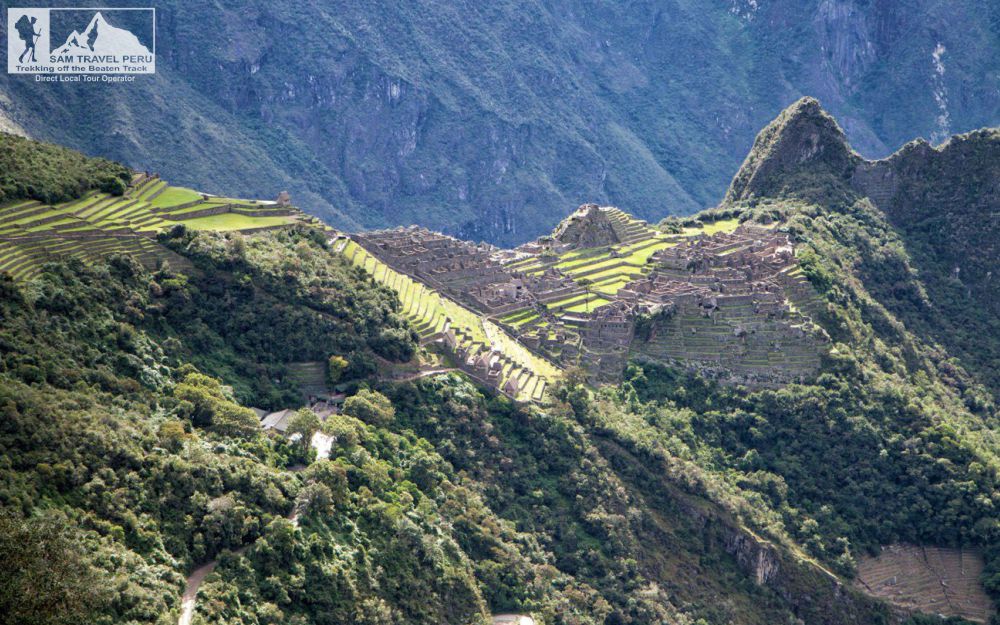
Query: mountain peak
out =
(96, 21)
(100, 37)
(802, 139)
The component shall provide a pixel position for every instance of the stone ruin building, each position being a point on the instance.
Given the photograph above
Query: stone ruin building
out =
(464, 271)
(734, 305)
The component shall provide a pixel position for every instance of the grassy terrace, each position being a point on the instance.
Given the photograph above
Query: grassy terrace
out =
(722, 225)
(174, 196)
(610, 285)
(609, 273)
(432, 313)
(519, 318)
(233, 221)
(606, 272)
(99, 224)
(588, 305)
(585, 302)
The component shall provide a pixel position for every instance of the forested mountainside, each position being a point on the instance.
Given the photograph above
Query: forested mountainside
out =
(129, 456)
(940, 205)
(492, 121)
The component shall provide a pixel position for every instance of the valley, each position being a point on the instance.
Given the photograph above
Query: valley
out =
(495, 122)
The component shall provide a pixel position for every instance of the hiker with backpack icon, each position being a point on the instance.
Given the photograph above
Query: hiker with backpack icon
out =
(26, 31)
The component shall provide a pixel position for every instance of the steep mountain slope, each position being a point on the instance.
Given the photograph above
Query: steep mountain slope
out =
(494, 121)
(941, 202)
(128, 455)
(129, 458)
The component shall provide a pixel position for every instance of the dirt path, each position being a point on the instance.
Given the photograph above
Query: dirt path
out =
(191, 591)
(422, 374)
(322, 443)
(512, 619)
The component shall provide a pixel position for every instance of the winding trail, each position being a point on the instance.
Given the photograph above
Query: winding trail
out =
(422, 374)
(191, 591)
(322, 444)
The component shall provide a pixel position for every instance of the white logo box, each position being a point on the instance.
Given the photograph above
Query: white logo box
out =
(97, 43)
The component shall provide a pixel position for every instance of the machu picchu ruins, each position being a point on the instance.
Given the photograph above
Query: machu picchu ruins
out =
(727, 299)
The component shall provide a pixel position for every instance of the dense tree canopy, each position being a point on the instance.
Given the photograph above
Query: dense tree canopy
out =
(51, 173)
(125, 395)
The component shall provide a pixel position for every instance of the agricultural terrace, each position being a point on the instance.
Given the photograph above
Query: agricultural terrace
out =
(479, 346)
(99, 224)
(736, 302)
(712, 227)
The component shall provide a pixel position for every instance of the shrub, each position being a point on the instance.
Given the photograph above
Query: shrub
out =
(372, 407)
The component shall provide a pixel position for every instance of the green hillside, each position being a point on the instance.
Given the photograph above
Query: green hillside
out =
(130, 458)
(447, 507)
(50, 173)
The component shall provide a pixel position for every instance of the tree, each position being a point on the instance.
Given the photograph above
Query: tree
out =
(315, 498)
(372, 407)
(587, 285)
(231, 419)
(172, 435)
(209, 406)
(203, 392)
(46, 579)
(330, 474)
(335, 368)
(346, 431)
(305, 423)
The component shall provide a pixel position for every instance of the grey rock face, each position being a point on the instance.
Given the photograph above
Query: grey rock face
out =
(493, 123)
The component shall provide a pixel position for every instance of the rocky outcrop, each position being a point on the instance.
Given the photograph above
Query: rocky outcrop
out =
(804, 141)
(758, 559)
(589, 226)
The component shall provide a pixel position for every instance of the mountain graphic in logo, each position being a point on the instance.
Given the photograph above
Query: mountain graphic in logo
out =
(100, 37)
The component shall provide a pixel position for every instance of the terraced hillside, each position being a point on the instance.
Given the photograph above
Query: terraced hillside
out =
(513, 319)
(479, 346)
(725, 298)
(932, 580)
(99, 224)
(571, 285)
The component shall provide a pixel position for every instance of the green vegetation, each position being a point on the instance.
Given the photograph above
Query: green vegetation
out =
(81, 208)
(47, 578)
(437, 501)
(607, 269)
(129, 454)
(94, 225)
(372, 407)
(174, 196)
(48, 173)
(588, 305)
(400, 533)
